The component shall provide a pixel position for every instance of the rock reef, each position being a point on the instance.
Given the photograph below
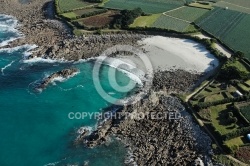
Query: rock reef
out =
(157, 130)
(64, 74)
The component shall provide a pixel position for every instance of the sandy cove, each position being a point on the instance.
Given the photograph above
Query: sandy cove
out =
(167, 53)
(150, 141)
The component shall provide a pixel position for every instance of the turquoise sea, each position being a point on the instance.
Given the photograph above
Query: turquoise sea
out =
(35, 128)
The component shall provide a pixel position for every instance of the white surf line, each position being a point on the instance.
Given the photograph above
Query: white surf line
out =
(8, 65)
(177, 18)
(236, 5)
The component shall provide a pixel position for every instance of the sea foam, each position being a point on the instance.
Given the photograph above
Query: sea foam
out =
(5, 67)
(9, 24)
(131, 71)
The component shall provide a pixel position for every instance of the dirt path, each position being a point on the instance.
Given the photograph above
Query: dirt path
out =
(218, 46)
(223, 50)
(174, 9)
(165, 13)
(176, 18)
(196, 91)
(236, 160)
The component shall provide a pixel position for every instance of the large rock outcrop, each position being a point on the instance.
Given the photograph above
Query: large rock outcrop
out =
(65, 73)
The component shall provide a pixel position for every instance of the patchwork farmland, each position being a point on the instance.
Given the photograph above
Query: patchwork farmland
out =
(148, 6)
(66, 5)
(244, 3)
(145, 21)
(231, 6)
(226, 25)
(188, 13)
(98, 21)
(167, 22)
(223, 24)
(178, 20)
(76, 14)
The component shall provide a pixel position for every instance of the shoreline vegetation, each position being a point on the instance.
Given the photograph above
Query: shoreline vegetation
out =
(180, 141)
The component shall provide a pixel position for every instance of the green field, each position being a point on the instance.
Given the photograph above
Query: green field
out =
(70, 15)
(76, 14)
(214, 97)
(231, 27)
(202, 6)
(238, 141)
(188, 13)
(148, 6)
(166, 22)
(238, 65)
(145, 21)
(70, 5)
(219, 119)
(238, 37)
(246, 112)
(244, 3)
(231, 6)
(247, 82)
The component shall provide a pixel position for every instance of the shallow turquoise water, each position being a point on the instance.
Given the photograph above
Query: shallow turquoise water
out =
(35, 128)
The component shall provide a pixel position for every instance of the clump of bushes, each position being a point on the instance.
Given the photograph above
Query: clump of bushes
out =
(230, 72)
(127, 17)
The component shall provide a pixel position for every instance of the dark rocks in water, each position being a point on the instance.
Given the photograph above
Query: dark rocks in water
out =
(65, 73)
(152, 141)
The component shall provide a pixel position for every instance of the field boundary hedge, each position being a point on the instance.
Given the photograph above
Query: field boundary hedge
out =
(237, 133)
(237, 109)
(89, 14)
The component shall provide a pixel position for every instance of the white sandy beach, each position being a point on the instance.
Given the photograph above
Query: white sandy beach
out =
(172, 53)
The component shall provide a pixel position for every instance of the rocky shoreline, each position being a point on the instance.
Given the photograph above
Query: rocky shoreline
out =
(152, 142)
(54, 39)
(85, 47)
(64, 74)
